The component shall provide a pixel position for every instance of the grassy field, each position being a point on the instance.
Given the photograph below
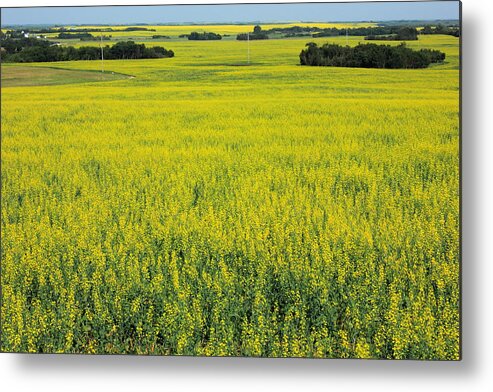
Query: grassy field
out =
(14, 75)
(206, 208)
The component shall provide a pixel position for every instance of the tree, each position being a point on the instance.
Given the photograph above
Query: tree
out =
(369, 56)
(43, 51)
(194, 36)
(427, 30)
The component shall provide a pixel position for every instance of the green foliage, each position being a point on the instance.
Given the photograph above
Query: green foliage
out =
(360, 31)
(441, 29)
(83, 36)
(137, 29)
(194, 36)
(15, 45)
(369, 56)
(52, 53)
(403, 34)
(64, 35)
(256, 35)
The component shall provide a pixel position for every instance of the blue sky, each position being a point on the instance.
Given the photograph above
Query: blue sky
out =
(326, 12)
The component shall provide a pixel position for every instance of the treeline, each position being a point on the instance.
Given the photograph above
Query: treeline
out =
(250, 36)
(119, 51)
(398, 32)
(62, 31)
(194, 36)
(441, 29)
(74, 35)
(83, 36)
(136, 29)
(11, 45)
(359, 31)
(131, 50)
(419, 23)
(403, 34)
(334, 31)
(84, 30)
(293, 30)
(256, 34)
(383, 32)
(369, 56)
(291, 35)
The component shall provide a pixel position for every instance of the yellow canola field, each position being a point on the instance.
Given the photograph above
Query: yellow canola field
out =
(174, 31)
(206, 207)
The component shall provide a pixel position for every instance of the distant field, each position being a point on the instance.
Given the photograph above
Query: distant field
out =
(272, 51)
(206, 208)
(13, 75)
(175, 31)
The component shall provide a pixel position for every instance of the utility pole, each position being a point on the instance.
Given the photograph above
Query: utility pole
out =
(347, 38)
(102, 55)
(248, 47)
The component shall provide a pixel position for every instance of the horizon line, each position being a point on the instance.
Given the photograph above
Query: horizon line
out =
(188, 23)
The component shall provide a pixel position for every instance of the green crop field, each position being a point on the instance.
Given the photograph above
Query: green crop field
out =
(210, 207)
